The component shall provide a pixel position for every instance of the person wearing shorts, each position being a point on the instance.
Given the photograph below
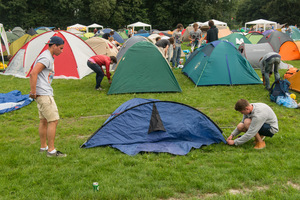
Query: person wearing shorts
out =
(41, 77)
(259, 121)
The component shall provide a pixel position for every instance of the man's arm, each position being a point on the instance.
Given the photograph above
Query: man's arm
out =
(33, 79)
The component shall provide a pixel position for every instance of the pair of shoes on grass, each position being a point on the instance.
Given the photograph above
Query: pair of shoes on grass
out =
(99, 89)
(56, 154)
(260, 145)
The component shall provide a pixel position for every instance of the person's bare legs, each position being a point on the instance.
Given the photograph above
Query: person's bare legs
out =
(43, 132)
(51, 130)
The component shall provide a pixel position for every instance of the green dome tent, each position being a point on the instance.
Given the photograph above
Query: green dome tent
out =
(143, 69)
(236, 38)
(219, 63)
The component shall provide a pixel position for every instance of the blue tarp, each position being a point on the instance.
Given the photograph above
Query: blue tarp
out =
(13, 100)
(148, 125)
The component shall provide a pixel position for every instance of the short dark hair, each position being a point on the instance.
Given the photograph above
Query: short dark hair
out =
(241, 105)
(211, 23)
(112, 32)
(171, 40)
(158, 38)
(113, 58)
(179, 26)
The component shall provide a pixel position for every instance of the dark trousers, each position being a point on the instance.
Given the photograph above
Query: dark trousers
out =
(99, 73)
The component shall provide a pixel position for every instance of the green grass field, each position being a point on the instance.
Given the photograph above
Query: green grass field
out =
(217, 171)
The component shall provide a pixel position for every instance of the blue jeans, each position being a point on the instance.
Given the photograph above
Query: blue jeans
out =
(99, 73)
(176, 56)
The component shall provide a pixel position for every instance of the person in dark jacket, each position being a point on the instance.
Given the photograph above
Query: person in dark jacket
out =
(212, 33)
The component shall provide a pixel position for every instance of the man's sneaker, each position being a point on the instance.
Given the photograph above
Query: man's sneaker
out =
(99, 88)
(260, 145)
(43, 150)
(56, 154)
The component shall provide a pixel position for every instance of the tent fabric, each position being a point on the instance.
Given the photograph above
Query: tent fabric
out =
(295, 35)
(131, 41)
(31, 32)
(295, 81)
(139, 24)
(94, 26)
(282, 44)
(11, 37)
(180, 128)
(13, 100)
(116, 35)
(219, 63)
(78, 27)
(143, 69)
(123, 35)
(236, 38)
(223, 31)
(3, 38)
(16, 45)
(71, 63)
(254, 37)
(253, 53)
(18, 31)
(186, 34)
(261, 22)
(102, 46)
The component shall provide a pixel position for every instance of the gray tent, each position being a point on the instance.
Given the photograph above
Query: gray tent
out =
(18, 31)
(131, 41)
(253, 53)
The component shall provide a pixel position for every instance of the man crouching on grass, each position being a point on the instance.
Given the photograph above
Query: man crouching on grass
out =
(259, 120)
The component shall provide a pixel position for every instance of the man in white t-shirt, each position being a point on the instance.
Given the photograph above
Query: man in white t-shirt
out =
(195, 37)
(41, 77)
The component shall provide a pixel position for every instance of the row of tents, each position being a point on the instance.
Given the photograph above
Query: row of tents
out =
(138, 55)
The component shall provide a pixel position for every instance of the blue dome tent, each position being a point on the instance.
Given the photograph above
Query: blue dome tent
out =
(149, 125)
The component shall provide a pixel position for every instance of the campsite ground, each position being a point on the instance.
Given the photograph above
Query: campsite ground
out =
(213, 172)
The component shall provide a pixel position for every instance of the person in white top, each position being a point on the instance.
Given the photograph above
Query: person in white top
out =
(40, 89)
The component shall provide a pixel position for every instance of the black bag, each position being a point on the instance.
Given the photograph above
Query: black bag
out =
(279, 88)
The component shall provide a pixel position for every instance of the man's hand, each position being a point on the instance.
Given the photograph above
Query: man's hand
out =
(32, 95)
(230, 142)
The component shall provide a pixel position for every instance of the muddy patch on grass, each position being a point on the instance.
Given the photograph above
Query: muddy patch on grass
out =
(296, 186)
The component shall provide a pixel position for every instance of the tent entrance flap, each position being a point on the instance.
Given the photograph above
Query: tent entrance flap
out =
(156, 123)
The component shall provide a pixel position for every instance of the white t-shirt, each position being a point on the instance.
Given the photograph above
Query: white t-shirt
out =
(45, 77)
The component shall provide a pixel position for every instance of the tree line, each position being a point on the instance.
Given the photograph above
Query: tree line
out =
(162, 15)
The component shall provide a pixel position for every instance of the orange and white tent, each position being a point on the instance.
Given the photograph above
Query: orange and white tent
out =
(71, 63)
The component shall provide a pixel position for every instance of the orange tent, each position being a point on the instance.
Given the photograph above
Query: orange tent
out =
(289, 51)
(295, 82)
(298, 44)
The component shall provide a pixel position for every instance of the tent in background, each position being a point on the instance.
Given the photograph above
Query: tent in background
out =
(18, 31)
(254, 37)
(78, 27)
(139, 24)
(116, 35)
(16, 45)
(131, 41)
(71, 63)
(143, 69)
(253, 53)
(236, 38)
(295, 35)
(11, 37)
(102, 46)
(282, 44)
(262, 22)
(94, 26)
(4, 39)
(219, 63)
(149, 125)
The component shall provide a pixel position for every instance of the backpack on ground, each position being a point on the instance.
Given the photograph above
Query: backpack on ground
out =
(279, 88)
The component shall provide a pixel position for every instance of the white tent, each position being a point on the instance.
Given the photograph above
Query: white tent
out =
(79, 27)
(4, 38)
(93, 26)
(216, 23)
(261, 22)
(139, 24)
